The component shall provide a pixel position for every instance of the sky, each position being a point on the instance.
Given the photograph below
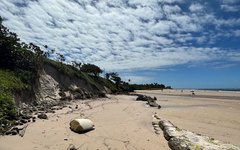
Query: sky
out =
(181, 43)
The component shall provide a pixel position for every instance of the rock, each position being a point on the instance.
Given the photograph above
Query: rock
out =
(177, 144)
(8, 133)
(150, 101)
(185, 140)
(78, 96)
(81, 125)
(157, 131)
(72, 147)
(42, 116)
(76, 107)
(143, 98)
(102, 95)
(170, 133)
(14, 132)
(153, 104)
(50, 111)
(155, 122)
(26, 117)
(164, 124)
(23, 121)
(16, 123)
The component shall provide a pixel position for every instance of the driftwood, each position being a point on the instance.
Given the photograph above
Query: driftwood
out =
(22, 130)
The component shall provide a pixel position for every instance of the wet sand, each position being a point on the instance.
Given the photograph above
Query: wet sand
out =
(209, 115)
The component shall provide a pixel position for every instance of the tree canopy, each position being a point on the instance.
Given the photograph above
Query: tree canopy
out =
(91, 69)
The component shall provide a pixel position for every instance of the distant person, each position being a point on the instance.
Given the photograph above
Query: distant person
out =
(193, 93)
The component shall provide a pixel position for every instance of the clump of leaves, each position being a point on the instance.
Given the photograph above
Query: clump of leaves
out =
(7, 107)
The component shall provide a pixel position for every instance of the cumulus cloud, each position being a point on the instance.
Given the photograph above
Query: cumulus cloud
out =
(230, 5)
(122, 34)
(195, 7)
(231, 8)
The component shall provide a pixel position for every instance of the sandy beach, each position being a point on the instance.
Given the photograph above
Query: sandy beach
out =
(212, 113)
(123, 123)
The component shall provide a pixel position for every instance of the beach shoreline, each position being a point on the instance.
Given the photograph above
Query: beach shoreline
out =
(212, 113)
(121, 122)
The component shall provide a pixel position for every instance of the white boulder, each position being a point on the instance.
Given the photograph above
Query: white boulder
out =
(81, 125)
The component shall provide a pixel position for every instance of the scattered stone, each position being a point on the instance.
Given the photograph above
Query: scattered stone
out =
(143, 98)
(26, 117)
(22, 132)
(14, 132)
(8, 133)
(158, 132)
(23, 121)
(16, 123)
(76, 107)
(155, 122)
(150, 101)
(71, 147)
(42, 116)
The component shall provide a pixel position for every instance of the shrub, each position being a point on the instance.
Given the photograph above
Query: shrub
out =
(7, 107)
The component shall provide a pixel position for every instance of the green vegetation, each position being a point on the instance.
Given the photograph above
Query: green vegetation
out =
(153, 86)
(9, 83)
(109, 84)
(91, 69)
(19, 63)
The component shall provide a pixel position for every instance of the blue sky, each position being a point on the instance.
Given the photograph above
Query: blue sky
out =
(182, 43)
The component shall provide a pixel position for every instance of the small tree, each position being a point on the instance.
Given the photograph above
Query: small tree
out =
(115, 77)
(107, 75)
(60, 57)
(77, 64)
(91, 69)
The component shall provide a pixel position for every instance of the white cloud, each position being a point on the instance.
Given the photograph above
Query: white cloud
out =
(229, 1)
(119, 34)
(136, 79)
(196, 7)
(230, 8)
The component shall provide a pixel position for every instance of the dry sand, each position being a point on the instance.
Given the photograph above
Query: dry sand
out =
(120, 123)
(123, 123)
